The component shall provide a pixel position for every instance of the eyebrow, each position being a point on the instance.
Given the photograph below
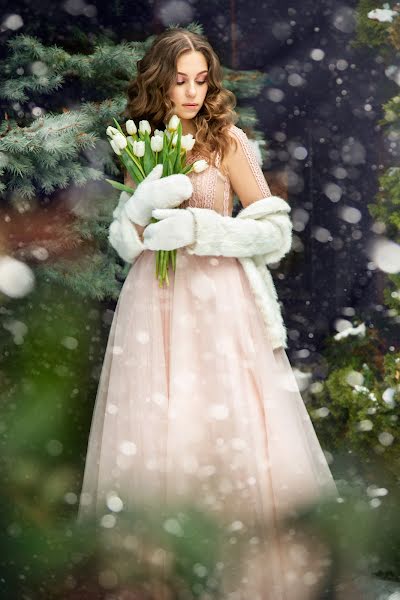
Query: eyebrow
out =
(179, 73)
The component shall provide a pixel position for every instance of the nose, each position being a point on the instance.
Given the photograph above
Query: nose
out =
(191, 91)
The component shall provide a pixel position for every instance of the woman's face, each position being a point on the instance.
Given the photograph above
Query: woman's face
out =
(190, 86)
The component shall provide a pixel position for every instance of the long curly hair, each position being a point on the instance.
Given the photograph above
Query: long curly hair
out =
(156, 72)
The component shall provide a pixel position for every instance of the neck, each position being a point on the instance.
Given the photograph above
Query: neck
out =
(188, 127)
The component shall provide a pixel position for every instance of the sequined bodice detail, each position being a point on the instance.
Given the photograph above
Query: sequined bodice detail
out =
(211, 187)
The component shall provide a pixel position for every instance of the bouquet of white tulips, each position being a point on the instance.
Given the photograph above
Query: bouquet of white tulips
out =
(140, 153)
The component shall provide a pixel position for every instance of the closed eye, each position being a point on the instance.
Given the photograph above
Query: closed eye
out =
(199, 82)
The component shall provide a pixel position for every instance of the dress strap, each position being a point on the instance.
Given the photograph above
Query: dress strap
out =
(227, 187)
(227, 194)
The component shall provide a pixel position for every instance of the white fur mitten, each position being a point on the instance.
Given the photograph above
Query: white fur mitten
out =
(174, 229)
(157, 192)
(262, 228)
(123, 236)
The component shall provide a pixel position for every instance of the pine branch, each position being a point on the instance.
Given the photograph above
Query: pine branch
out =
(33, 68)
(94, 276)
(244, 84)
(60, 150)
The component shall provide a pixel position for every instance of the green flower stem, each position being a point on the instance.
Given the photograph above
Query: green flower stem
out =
(174, 260)
(136, 161)
(165, 256)
(167, 264)
(159, 274)
(161, 265)
(160, 271)
(166, 271)
(157, 263)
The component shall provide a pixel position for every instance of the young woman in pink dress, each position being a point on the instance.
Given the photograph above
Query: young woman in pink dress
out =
(197, 401)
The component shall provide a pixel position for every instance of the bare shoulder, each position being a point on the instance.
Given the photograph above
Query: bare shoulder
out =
(236, 132)
(237, 138)
(232, 133)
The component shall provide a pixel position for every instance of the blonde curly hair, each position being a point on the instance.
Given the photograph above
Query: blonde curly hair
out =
(156, 72)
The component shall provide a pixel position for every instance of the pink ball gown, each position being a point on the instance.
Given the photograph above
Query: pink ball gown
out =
(194, 404)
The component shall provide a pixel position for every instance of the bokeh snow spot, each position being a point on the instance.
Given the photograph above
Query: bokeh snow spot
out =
(202, 287)
(219, 412)
(143, 337)
(16, 278)
(128, 448)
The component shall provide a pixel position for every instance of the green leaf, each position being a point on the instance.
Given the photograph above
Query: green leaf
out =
(118, 126)
(131, 167)
(120, 186)
(148, 158)
(170, 166)
(178, 165)
(172, 155)
(165, 156)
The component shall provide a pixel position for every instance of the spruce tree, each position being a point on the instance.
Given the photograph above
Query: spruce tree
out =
(54, 155)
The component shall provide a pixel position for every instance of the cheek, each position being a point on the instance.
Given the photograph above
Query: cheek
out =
(173, 93)
(178, 93)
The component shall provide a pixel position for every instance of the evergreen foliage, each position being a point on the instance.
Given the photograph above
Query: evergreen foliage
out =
(50, 141)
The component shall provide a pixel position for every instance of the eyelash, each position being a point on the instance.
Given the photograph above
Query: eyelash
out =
(199, 82)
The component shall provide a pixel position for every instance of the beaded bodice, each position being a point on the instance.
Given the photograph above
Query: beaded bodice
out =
(212, 187)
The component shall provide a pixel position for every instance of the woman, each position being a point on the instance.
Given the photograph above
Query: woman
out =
(197, 400)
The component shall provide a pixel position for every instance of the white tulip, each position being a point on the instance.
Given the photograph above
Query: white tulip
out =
(131, 127)
(130, 139)
(175, 139)
(199, 166)
(138, 148)
(120, 141)
(173, 123)
(111, 131)
(144, 126)
(115, 147)
(187, 141)
(156, 143)
(159, 132)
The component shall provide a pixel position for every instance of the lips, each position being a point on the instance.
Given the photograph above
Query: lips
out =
(190, 105)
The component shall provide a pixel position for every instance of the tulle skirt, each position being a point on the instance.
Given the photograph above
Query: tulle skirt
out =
(194, 405)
